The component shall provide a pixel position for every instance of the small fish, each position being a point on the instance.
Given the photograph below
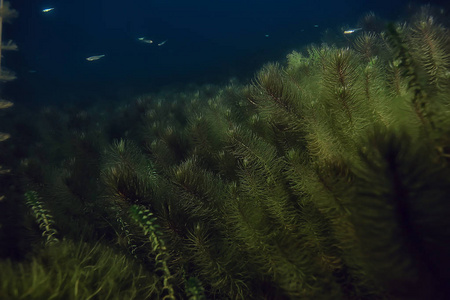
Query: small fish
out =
(95, 57)
(4, 136)
(350, 31)
(144, 40)
(162, 43)
(5, 104)
(46, 10)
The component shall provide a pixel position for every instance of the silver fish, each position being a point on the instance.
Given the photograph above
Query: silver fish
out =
(95, 57)
(144, 40)
(350, 31)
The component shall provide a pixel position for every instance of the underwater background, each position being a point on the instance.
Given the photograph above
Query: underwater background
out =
(207, 42)
(224, 150)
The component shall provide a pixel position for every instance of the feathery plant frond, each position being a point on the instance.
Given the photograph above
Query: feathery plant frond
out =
(302, 73)
(202, 135)
(327, 185)
(198, 189)
(145, 219)
(8, 13)
(69, 270)
(269, 82)
(278, 251)
(318, 241)
(399, 211)
(368, 44)
(376, 97)
(341, 87)
(169, 147)
(430, 47)
(345, 111)
(207, 131)
(324, 182)
(317, 54)
(163, 156)
(217, 262)
(194, 289)
(128, 174)
(163, 129)
(397, 85)
(281, 101)
(298, 66)
(423, 55)
(406, 63)
(125, 154)
(249, 220)
(321, 142)
(278, 99)
(254, 152)
(43, 217)
(260, 172)
(126, 235)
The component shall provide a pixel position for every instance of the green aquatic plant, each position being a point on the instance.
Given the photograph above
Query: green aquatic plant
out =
(76, 270)
(3, 137)
(6, 15)
(279, 102)
(194, 289)
(125, 236)
(410, 72)
(399, 214)
(421, 54)
(368, 44)
(342, 92)
(127, 174)
(43, 217)
(216, 262)
(260, 173)
(145, 219)
(429, 42)
(206, 130)
(324, 178)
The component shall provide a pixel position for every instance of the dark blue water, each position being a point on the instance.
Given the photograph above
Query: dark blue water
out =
(207, 41)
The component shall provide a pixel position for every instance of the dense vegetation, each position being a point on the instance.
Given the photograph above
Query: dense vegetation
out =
(327, 177)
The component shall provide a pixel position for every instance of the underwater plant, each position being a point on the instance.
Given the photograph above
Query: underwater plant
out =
(326, 177)
(146, 221)
(6, 15)
(4, 136)
(43, 217)
(76, 270)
